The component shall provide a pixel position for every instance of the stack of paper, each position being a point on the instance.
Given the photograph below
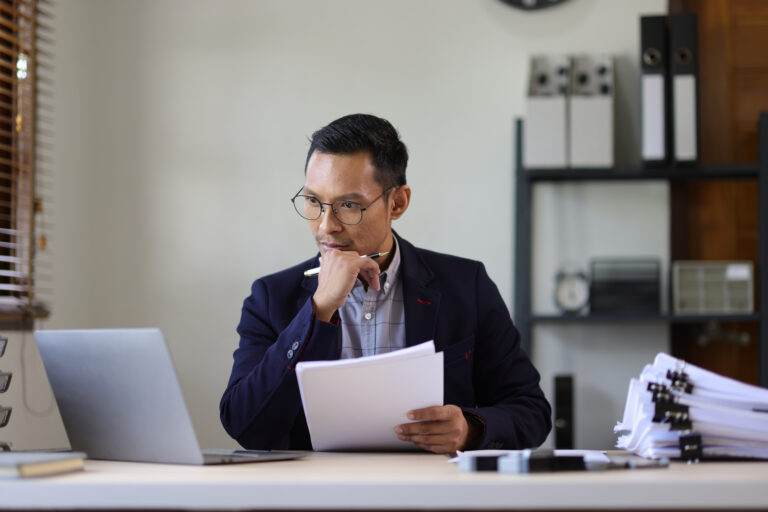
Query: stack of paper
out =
(355, 404)
(675, 409)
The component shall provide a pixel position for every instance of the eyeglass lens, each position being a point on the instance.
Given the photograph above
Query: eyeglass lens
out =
(346, 211)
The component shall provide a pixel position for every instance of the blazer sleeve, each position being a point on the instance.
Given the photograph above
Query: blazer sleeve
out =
(510, 403)
(261, 405)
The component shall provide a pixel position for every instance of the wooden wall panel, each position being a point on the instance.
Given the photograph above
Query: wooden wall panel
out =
(718, 220)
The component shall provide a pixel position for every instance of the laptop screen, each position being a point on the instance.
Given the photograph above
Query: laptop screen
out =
(118, 395)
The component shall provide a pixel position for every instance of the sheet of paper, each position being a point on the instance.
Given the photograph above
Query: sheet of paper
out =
(422, 349)
(355, 404)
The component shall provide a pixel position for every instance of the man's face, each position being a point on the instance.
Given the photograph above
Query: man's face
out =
(332, 178)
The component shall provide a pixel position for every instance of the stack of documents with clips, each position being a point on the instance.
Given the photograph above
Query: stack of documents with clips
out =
(679, 410)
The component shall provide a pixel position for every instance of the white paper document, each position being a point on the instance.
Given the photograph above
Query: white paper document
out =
(355, 404)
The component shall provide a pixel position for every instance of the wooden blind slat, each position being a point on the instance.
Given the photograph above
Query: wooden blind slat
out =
(5, 36)
(5, 22)
(14, 287)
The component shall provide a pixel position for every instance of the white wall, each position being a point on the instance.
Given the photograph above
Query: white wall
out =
(182, 129)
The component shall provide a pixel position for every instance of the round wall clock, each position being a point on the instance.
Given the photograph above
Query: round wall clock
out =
(530, 5)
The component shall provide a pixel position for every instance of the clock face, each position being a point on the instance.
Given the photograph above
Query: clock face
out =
(571, 292)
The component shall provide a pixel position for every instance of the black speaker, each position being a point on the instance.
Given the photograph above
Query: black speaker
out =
(563, 411)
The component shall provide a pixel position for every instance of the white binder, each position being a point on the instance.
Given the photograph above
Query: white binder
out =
(545, 142)
(591, 111)
(683, 65)
(653, 61)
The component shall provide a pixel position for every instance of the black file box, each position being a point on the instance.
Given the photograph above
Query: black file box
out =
(630, 286)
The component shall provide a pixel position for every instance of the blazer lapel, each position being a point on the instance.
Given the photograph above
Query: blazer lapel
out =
(422, 302)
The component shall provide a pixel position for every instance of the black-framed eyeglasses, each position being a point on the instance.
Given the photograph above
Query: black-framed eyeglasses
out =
(347, 212)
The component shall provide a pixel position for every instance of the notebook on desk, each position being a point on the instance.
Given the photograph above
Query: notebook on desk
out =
(120, 399)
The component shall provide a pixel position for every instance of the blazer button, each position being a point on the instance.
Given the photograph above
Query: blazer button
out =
(295, 345)
(289, 354)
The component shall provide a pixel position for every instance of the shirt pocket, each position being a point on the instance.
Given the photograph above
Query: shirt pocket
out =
(461, 352)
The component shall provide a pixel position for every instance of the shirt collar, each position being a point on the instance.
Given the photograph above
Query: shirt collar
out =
(391, 274)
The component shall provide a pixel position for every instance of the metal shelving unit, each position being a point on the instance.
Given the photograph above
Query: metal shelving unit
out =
(525, 180)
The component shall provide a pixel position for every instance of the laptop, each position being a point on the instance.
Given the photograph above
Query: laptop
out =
(119, 399)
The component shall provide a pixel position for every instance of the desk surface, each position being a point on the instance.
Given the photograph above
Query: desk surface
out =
(386, 481)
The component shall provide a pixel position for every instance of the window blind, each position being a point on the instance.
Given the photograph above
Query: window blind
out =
(26, 130)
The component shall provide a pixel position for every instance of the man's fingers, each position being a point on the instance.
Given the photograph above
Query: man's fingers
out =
(437, 413)
(339, 271)
(371, 274)
(439, 429)
(426, 428)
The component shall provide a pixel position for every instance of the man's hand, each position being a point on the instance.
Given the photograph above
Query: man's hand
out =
(339, 270)
(442, 429)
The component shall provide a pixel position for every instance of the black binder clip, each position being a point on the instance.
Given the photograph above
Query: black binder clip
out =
(675, 415)
(679, 381)
(660, 393)
(690, 447)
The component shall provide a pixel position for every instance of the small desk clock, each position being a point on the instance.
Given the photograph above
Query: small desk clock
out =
(571, 291)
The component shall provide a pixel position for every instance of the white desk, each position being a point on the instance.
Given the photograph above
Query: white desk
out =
(386, 481)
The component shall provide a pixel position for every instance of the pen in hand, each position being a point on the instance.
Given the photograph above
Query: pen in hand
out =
(314, 271)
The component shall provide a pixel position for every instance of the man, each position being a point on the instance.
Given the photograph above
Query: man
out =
(361, 304)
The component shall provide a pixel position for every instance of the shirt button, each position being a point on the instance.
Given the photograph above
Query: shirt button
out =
(289, 354)
(386, 286)
(295, 345)
(368, 316)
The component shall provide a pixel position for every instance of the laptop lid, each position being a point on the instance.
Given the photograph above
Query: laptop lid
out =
(118, 395)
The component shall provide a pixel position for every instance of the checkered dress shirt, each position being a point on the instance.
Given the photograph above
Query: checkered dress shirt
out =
(374, 322)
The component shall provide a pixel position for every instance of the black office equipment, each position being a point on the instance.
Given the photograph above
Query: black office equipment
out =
(522, 461)
(625, 285)
(683, 59)
(654, 66)
(550, 461)
(563, 411)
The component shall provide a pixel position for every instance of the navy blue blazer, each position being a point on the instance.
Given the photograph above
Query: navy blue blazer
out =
(448, 299)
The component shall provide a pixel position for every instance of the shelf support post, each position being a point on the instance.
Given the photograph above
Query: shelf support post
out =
(522, 249)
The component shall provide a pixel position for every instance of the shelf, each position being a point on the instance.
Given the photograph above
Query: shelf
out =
(525, 181)
(724, 172)
(641, 318)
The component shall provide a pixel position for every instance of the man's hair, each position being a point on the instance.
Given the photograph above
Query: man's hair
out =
(364, 132)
